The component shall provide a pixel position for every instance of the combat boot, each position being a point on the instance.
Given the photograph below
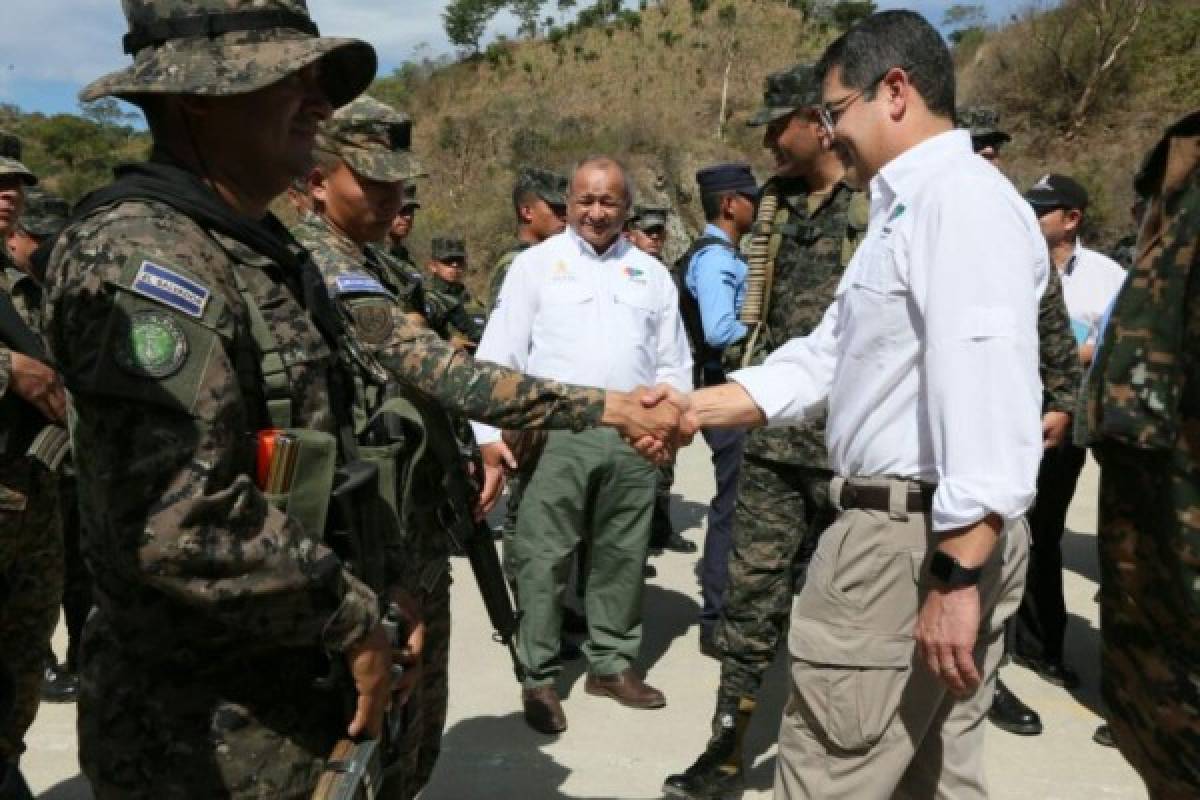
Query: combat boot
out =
(718, 773)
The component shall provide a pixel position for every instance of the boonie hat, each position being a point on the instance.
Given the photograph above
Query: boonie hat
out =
(230, 47)
(45, 213)
(374, 140)
(10, 159)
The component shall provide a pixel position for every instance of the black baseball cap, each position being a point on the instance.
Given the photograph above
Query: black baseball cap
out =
(1057, 191)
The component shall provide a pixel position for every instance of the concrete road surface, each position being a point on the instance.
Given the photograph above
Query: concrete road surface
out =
(612, 752)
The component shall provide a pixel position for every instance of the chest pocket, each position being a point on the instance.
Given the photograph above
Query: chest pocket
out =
(873, 300)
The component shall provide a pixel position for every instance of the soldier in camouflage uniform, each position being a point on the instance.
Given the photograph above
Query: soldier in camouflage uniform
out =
(783, 495)
(1141, 414)
(43, 217)
(452, 311)
(986, 136)
(405, 271)
(186, 320)
(31, 549)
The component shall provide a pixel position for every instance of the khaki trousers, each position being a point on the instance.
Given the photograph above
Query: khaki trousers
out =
(864, 719)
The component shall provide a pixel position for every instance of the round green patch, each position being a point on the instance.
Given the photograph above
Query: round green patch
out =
(156, 346)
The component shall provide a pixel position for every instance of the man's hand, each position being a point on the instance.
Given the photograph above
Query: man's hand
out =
(946, 630)
(370, 663)
(689, 424)
(1086, 352)
(1055, 425)
(496, 459)
(39, 385)
(637, 423)
(411, 654)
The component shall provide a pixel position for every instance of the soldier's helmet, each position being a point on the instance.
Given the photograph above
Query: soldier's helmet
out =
(230, 47)
(550, 186)
(10, 159)
(784, 92)
(448, 248)
(374, 139)
(45, 213)
(644, 218)
(983, 125)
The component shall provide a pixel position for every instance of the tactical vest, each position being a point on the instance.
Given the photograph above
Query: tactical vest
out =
(812, 253)
(704, 355)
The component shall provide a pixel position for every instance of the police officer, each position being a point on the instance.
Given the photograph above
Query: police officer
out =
(192, 329)
(31, 548)
(712, 289)
(450, 308)
(1141, 414)
(808, 224)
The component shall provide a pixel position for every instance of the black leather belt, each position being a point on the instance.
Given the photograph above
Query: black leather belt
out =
(878, 498)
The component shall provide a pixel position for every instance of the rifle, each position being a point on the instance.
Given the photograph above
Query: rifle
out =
(474, 538)
(29, 432)
(357, 768)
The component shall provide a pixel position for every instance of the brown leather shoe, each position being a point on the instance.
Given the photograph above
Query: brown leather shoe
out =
(627, 688)
(543, 711)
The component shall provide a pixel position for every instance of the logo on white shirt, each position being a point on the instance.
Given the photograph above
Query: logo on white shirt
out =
(1043, 183)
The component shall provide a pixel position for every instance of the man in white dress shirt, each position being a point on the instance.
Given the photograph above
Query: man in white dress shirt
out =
(586, 305)
(1090, 281)
(928, 362)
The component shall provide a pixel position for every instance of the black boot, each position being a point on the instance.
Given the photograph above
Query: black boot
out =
(1010, 714)
(718, 773)
(12, 783)
(60, 685)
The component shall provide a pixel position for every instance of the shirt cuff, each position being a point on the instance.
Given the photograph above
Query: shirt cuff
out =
(766, 388)
(957, 505)
(485, 434)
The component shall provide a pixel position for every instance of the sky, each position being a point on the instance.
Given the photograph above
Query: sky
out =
(49, 49)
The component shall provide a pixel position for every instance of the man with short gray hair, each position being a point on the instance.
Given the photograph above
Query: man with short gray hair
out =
(586, 305)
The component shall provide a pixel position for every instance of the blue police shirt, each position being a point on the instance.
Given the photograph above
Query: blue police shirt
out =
(716, 277)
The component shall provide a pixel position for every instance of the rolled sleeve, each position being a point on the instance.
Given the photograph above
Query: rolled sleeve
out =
(980, 362)
(794, 382)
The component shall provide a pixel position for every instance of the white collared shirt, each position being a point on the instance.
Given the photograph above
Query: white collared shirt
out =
(1090, 282)
(609, 320)
(928, 356)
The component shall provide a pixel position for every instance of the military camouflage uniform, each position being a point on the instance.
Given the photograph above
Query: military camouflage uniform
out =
(216, 611)
(31, 548)
(783, 496)
(362, 287)
(1142, 414)
(450, 308)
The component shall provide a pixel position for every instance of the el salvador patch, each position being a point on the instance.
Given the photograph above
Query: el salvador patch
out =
(360, 283)
(171, 289)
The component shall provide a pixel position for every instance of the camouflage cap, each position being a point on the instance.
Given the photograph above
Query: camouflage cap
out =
(448, 248)
(410, 196)
(646, 217)
(373, 139)
(786, 91)
(10, 159)
(45, 214)
(550, 186)
(229, 47)
(984, 125)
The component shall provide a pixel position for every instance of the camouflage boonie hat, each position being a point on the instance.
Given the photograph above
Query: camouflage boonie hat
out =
(550, 186)
(448, 248)
(10, 159)
(984, 125)
(410, 196)
(45, 214)
(230, 47)
(786, 91)
(374, 140)
(644, 218)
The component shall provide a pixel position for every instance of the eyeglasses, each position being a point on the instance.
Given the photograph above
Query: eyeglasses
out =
(831, 113)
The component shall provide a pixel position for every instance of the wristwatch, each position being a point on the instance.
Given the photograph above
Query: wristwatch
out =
(947, 571)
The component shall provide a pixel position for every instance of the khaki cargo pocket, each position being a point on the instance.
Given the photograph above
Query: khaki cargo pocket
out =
(850, 681)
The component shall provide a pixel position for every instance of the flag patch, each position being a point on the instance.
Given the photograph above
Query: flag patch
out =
(171, 289)
(359, 283)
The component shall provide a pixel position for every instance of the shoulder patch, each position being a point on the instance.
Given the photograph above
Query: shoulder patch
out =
(359, 283)
(171, 289)
(155, 346)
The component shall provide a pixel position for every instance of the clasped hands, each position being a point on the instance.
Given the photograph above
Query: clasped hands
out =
(655, 421)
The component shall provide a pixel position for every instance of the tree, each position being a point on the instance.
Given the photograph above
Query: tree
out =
(965, 23)
(528, 13)
(466, 20)
(1083, 41)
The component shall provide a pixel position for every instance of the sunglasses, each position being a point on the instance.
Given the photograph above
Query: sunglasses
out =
(831, 113)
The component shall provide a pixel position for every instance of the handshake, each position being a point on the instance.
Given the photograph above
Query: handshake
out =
(656, 421)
